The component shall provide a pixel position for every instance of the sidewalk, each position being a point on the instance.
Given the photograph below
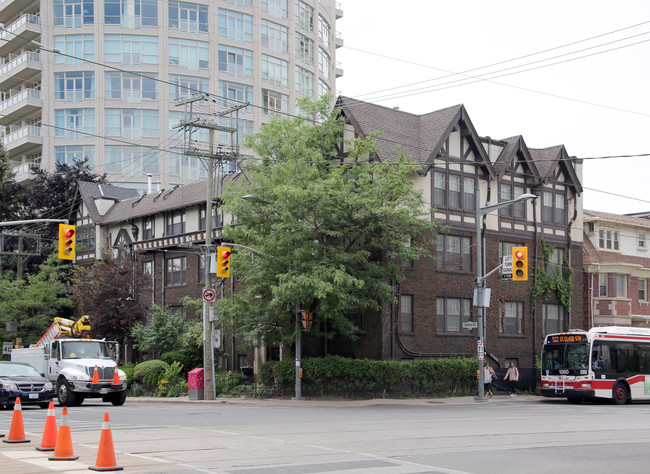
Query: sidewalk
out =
(308, 402)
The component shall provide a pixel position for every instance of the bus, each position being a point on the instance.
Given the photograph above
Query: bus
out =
(606, 362)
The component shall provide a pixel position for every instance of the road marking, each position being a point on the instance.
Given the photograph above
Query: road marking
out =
(37, 459)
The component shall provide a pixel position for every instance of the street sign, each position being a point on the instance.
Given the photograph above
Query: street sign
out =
(216, 338)
(209, 295)
(481, 351)
(6, 347)
(470, 325)
(506, 268)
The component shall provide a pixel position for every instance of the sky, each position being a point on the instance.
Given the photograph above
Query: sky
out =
(572, 72)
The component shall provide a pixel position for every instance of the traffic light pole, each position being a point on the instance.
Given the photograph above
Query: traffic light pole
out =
(480, 281)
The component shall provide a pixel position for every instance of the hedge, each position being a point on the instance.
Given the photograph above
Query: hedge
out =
(334, 375)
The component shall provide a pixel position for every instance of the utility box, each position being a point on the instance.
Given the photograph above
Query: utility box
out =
(195, 384)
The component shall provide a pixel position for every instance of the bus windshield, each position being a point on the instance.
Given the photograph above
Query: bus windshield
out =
(574, 357)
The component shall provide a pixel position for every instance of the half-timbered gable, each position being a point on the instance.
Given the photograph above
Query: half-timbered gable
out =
(559, 191)
(460, 171)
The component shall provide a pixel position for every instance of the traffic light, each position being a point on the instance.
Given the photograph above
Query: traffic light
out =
(223, 262)
(66, 241)
(519, 263)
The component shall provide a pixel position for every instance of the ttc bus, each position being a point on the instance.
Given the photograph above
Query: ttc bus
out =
(606, 362)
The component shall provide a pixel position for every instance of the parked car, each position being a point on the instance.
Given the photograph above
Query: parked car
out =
(18, 379)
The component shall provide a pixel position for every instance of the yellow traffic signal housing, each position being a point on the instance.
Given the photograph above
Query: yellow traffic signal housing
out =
(519, 263)
(67, 234)
(223, 262)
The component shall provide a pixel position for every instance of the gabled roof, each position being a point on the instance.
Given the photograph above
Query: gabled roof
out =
(615, 218)
(420, 136)
(515, 148)
(90, 192)
(549, 159)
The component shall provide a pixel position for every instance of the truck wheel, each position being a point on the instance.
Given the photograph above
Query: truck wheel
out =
(118, 398)
(64, 394)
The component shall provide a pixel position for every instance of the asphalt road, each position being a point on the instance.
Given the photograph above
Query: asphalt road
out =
(504, 435)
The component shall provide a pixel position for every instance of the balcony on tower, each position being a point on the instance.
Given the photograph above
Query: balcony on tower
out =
(19, 69)
(21, 32)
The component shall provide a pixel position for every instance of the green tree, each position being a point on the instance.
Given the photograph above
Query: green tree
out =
(10, 191)
(106, 291)
(34, 303)
(161, 334)
(333, 231)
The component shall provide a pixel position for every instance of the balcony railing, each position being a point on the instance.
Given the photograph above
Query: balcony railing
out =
(27, 18)
(23, 95)
(14, 63)
(28, 131)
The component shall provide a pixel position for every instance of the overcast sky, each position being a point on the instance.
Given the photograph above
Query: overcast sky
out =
(593, 101)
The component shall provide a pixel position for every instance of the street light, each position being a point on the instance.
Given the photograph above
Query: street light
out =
(480, 278)
(298, 394)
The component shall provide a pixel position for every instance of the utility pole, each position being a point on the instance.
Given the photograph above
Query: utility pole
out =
(211, 160)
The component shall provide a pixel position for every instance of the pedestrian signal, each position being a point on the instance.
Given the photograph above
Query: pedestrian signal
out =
(67, 235)
(223, 262)
(520, 264)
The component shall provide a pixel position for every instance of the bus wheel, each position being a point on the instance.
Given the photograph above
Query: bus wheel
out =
(621, 394)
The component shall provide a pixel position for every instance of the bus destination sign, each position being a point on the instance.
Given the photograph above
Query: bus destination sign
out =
(560, 338)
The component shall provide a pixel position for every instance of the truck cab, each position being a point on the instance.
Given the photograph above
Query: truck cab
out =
(70, 364)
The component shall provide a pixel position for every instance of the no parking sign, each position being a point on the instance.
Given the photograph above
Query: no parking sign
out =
(209, 295)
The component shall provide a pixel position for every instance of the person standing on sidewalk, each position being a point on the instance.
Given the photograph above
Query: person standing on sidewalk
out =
(512, 375)
(488, 376)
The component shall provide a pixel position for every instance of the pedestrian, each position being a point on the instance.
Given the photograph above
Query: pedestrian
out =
(512, 375)
(488, 376)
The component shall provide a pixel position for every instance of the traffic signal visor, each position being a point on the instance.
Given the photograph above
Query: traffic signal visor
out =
(223, 262)
(67, 234)
(520, 264)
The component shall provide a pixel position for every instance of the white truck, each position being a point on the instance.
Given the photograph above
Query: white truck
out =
(70, 364)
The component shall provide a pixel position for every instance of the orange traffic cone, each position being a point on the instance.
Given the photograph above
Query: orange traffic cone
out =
(48, 442)
(96, 376)
(63, 449)
(106, 453)
(17, 430)
(116, 378)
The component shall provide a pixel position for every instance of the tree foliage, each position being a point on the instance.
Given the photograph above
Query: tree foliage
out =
(160, 335)
(331, 233)
(50, 196)
(106, 292)
(10, 191)
(34, 303)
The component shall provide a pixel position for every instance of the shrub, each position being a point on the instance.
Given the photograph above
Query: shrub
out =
(362, 377)
(180, 357)
(128, 370)
(169, 382)
(149, 373)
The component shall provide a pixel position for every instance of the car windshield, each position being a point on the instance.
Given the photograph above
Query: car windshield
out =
(85, 350)
(17, 370)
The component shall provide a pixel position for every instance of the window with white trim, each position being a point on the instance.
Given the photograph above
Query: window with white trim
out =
(76, 48)
(235, 26)
(621, 286)
(74, 86)
(553, 318)
(275, 70)
(511, 317)
(602, 284)
(304, 82)
(451, 313)
(132, 123)
(304, 15)
(74, 13)
(131, 13)
(608, 239)
(237, 62)
(406, 313)
(68, 155)
(189, 54)
(183, 87)
(131, 88)
(274, 103)
(131, 50)
(175, 269)
(276, 8)
(275, 37)
(453, 252)
(188, 17)
(132, 160)
(74, 124)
